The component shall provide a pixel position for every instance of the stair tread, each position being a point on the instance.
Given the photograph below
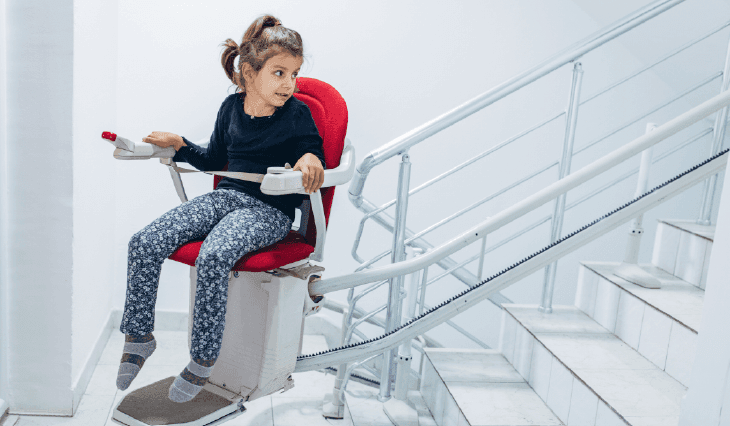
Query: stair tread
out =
(629, 383)
(676, 298)
(704, 231)
(487, 389)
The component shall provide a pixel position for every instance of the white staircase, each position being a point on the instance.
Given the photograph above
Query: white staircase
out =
(621, 356)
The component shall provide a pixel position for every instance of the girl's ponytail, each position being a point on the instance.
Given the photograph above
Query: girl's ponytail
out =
(264, 38)
(227, 59)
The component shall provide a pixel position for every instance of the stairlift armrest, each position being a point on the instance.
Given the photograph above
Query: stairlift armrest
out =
(279, 181)
(129, 150)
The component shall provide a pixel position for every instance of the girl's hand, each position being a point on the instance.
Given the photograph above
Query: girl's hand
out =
(312, 172)
(164, 140)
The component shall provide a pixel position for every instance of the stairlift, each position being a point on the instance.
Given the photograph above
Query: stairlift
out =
(268, 291)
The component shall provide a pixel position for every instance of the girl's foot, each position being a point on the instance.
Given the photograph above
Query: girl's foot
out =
(136, 350)
(187, 385)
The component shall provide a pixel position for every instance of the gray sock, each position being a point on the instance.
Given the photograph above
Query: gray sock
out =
(189, 383)
(136, 350)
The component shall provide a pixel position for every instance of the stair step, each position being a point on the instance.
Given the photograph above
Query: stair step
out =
(584, 373)
(704, 231)
(479, 387)
(661, 324)
(678, 299)
(683, 248)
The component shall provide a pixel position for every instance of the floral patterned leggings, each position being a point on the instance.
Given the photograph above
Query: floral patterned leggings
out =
(235, 223)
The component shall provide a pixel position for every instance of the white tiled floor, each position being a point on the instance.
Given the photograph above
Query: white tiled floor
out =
(301, 405)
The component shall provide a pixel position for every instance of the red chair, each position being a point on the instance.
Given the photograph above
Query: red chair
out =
(268, 296)
(330, 115)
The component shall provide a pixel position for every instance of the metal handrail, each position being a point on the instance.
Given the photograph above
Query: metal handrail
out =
(338, 307)
(575, 203)
(466, 210)
(537, 126)
(570, 54)
(461, 274)
(655, 63)
(470, 336)
(358, 181)
(478, 203)
(352, 326)
(528, 204)
(545, 122)
(369, 214)
(686, 92)
(527, 266)
(469, 299)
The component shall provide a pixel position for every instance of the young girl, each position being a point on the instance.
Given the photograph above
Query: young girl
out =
(260, 125)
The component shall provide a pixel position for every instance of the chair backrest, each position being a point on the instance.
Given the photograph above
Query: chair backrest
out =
(330, 115)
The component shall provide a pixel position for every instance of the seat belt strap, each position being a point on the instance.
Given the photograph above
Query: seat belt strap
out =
(252, 177)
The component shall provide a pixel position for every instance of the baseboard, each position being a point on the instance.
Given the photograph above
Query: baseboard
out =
(79, 388)
(3, 410)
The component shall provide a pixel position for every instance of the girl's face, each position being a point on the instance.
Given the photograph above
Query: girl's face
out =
(274, 83)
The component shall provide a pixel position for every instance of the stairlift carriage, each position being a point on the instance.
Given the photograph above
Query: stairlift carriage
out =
(268, 291)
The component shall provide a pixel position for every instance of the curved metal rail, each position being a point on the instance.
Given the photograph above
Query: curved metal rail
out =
(472, 296)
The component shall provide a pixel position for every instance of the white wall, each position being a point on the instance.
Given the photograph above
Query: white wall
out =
(396, 72)
(39, 205)
(94, 111)
(709, 388)
(4, 283)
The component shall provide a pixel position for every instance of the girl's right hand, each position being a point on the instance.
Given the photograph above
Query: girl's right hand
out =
(164, 140)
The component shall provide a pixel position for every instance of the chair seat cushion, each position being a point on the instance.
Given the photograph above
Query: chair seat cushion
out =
(291, 249)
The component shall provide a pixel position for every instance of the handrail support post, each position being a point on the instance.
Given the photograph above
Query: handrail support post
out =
(629, 269)
(571, 120)
(392, 319)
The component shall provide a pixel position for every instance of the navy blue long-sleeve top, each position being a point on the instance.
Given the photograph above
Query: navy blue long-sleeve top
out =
(252, 144)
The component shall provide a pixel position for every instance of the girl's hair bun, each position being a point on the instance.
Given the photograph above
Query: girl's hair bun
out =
(264, 38)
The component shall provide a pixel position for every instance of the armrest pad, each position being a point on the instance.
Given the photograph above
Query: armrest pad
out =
(279, 181)
(128, 150)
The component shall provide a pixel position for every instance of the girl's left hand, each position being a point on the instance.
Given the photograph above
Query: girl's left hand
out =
(312, 172)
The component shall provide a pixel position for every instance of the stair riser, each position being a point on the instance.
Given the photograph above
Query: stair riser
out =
(564, 393)
(666, 342)
(438, 399)
(682, 254)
